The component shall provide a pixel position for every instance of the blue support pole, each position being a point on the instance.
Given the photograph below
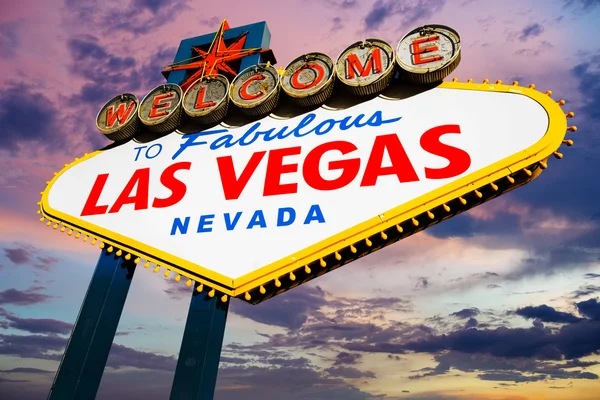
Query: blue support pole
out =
(198, 362)
(80, 370)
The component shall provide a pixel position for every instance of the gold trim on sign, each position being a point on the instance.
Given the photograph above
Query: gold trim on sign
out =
(351, 244)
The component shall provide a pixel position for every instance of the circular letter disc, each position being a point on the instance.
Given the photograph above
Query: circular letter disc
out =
(428, 54)
(160, 111)
(206, 100)
(308, 80)
(118, 119)
(255, 90)
(366, 67)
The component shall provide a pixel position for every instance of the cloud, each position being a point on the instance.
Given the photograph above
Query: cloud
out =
(35, 325)
(466, 313)
(546, 314)
(25, 297)
(28, 119)
(531, 31)
(573, 340)
(139, 23)
(349, 373)
(590, 309)
(336, 25)
(471, 323)
(178, 291)
(137, 17)
(211, 22)
(13, 380)
(589, 86)
(151, 71)
(45, 263)
(252, 383)
(549, 260)
(510, 377)
(154, 6)
(121, 356)
(106, 73)
(51, 347)
(18, 255)
(25, 371)
(582, 5)
(591, 276)
(422, 282)
(495, 368)
(344, 4)
(33, 346)
(27, 254)
(290, 310)
(527, 52)
(407, 12)
(9, 40)
(586, 290)
(345, 358)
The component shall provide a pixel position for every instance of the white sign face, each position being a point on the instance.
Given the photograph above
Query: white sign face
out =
(234, 200)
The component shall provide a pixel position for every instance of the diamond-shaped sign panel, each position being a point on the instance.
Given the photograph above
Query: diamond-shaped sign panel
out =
(256, 209)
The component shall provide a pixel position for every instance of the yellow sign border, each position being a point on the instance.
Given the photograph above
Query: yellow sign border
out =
(343, 247)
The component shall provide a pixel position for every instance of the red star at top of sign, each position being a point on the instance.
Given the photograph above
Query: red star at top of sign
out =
(218, 58)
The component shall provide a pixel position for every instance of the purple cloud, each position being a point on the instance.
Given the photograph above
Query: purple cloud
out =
(35, 325)
(18, 255)
(25, 370)
(531, 31)
(590, 309)
(27, 254)
(290, 310)
(407, 11)
(23, 297)
(18, 102)
(33, 346)
(546, 314)
(466, 313)
(345, 358)
(349, 372)
(9, 40)
(121, 356)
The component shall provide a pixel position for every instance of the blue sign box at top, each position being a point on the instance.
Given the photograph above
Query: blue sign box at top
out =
(258, 36)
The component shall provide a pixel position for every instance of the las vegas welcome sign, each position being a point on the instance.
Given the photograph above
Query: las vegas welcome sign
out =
(251, 209)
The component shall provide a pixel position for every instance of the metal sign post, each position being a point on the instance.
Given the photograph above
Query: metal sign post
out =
(198, 362)
(83, 362)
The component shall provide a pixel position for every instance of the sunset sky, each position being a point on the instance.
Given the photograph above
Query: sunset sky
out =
(500, 303)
